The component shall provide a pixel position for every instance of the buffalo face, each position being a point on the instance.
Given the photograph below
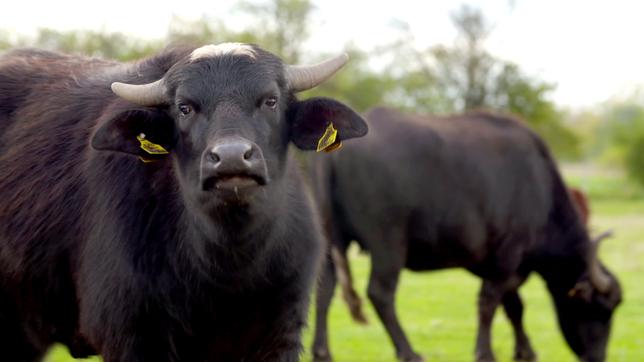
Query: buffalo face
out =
(226, 114)
(585, 315)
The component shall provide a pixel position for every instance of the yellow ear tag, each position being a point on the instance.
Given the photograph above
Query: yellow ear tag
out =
(149, 147)
(328, 138)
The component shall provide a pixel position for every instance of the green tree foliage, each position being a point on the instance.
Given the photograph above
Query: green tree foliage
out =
(465, 76)
(94, 43)
(624, 126)
(635, 158)
(519, 94)
(281, 26)
(206, 31)
(418, 91)
(357, 84)
(467, 66)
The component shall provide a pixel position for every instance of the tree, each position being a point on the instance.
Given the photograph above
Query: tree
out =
(206, 31)
(282, 25)
(516, 93)
(635, 158)
(93, 43)
(476, 62)
(465, 76)
(356, 84)
(624, 125)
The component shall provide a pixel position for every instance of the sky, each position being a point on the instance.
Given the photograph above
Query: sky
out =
(592, 50)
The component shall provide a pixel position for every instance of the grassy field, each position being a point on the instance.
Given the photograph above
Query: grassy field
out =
(438, 309)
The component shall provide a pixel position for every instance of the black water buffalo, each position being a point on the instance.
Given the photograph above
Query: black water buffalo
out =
(163, 219)
(478, 191)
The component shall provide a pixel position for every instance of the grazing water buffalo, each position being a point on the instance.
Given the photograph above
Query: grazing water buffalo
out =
(478, 191)
(152, 211)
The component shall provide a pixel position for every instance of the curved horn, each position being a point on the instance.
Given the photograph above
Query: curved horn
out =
(150, 94)
(598, 277)
(303, 77)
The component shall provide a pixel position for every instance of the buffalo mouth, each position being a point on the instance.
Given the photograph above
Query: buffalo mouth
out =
(233, 182)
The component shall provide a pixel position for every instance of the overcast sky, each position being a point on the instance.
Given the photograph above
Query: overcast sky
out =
(593, 50)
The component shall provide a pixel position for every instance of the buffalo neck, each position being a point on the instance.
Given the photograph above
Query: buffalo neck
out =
(239, 235)
(562, 259)
(561, 255)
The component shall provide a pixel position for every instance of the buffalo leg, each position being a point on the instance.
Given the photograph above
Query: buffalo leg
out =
(324, 295)
(490, 297)
(514, 310)
(385, 270)
(344, 277)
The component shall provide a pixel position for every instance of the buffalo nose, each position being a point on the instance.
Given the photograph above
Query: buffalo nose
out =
(233, 163)
(232, 156)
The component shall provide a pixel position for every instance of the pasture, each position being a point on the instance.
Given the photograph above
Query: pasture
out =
(438, 309)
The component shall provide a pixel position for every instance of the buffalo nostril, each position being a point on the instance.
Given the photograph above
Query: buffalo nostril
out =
(248, 154)
(214, 157)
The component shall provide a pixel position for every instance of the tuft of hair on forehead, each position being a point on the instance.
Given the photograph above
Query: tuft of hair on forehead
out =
(217, 50)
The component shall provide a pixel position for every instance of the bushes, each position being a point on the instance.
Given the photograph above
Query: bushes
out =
(634, 160)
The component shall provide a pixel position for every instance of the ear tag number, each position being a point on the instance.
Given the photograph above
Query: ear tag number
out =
(327, 141)
(149, 147)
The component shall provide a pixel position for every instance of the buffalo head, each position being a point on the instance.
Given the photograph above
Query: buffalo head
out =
(226, 114)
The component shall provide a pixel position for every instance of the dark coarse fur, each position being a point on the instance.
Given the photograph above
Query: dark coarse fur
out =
(108, 255)
(478, 191)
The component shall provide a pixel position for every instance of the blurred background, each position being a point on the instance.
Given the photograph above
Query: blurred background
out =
(572, 70)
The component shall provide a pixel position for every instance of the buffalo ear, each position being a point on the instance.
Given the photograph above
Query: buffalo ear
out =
(314, 119)
(582, 290)
(119, 132)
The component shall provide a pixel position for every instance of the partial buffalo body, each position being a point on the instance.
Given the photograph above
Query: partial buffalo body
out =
(477, 191)
(152, 211)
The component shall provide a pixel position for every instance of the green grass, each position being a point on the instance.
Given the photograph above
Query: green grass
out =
(438, 309)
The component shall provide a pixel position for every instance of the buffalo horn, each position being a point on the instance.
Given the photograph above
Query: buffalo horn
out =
(151, 94)
(303, 77)
(598, 277)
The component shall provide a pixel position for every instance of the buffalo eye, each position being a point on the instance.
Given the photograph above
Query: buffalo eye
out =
(270, 102)
(185, 109)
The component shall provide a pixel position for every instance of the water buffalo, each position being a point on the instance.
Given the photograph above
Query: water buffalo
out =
(478, 191)
(152, 211)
